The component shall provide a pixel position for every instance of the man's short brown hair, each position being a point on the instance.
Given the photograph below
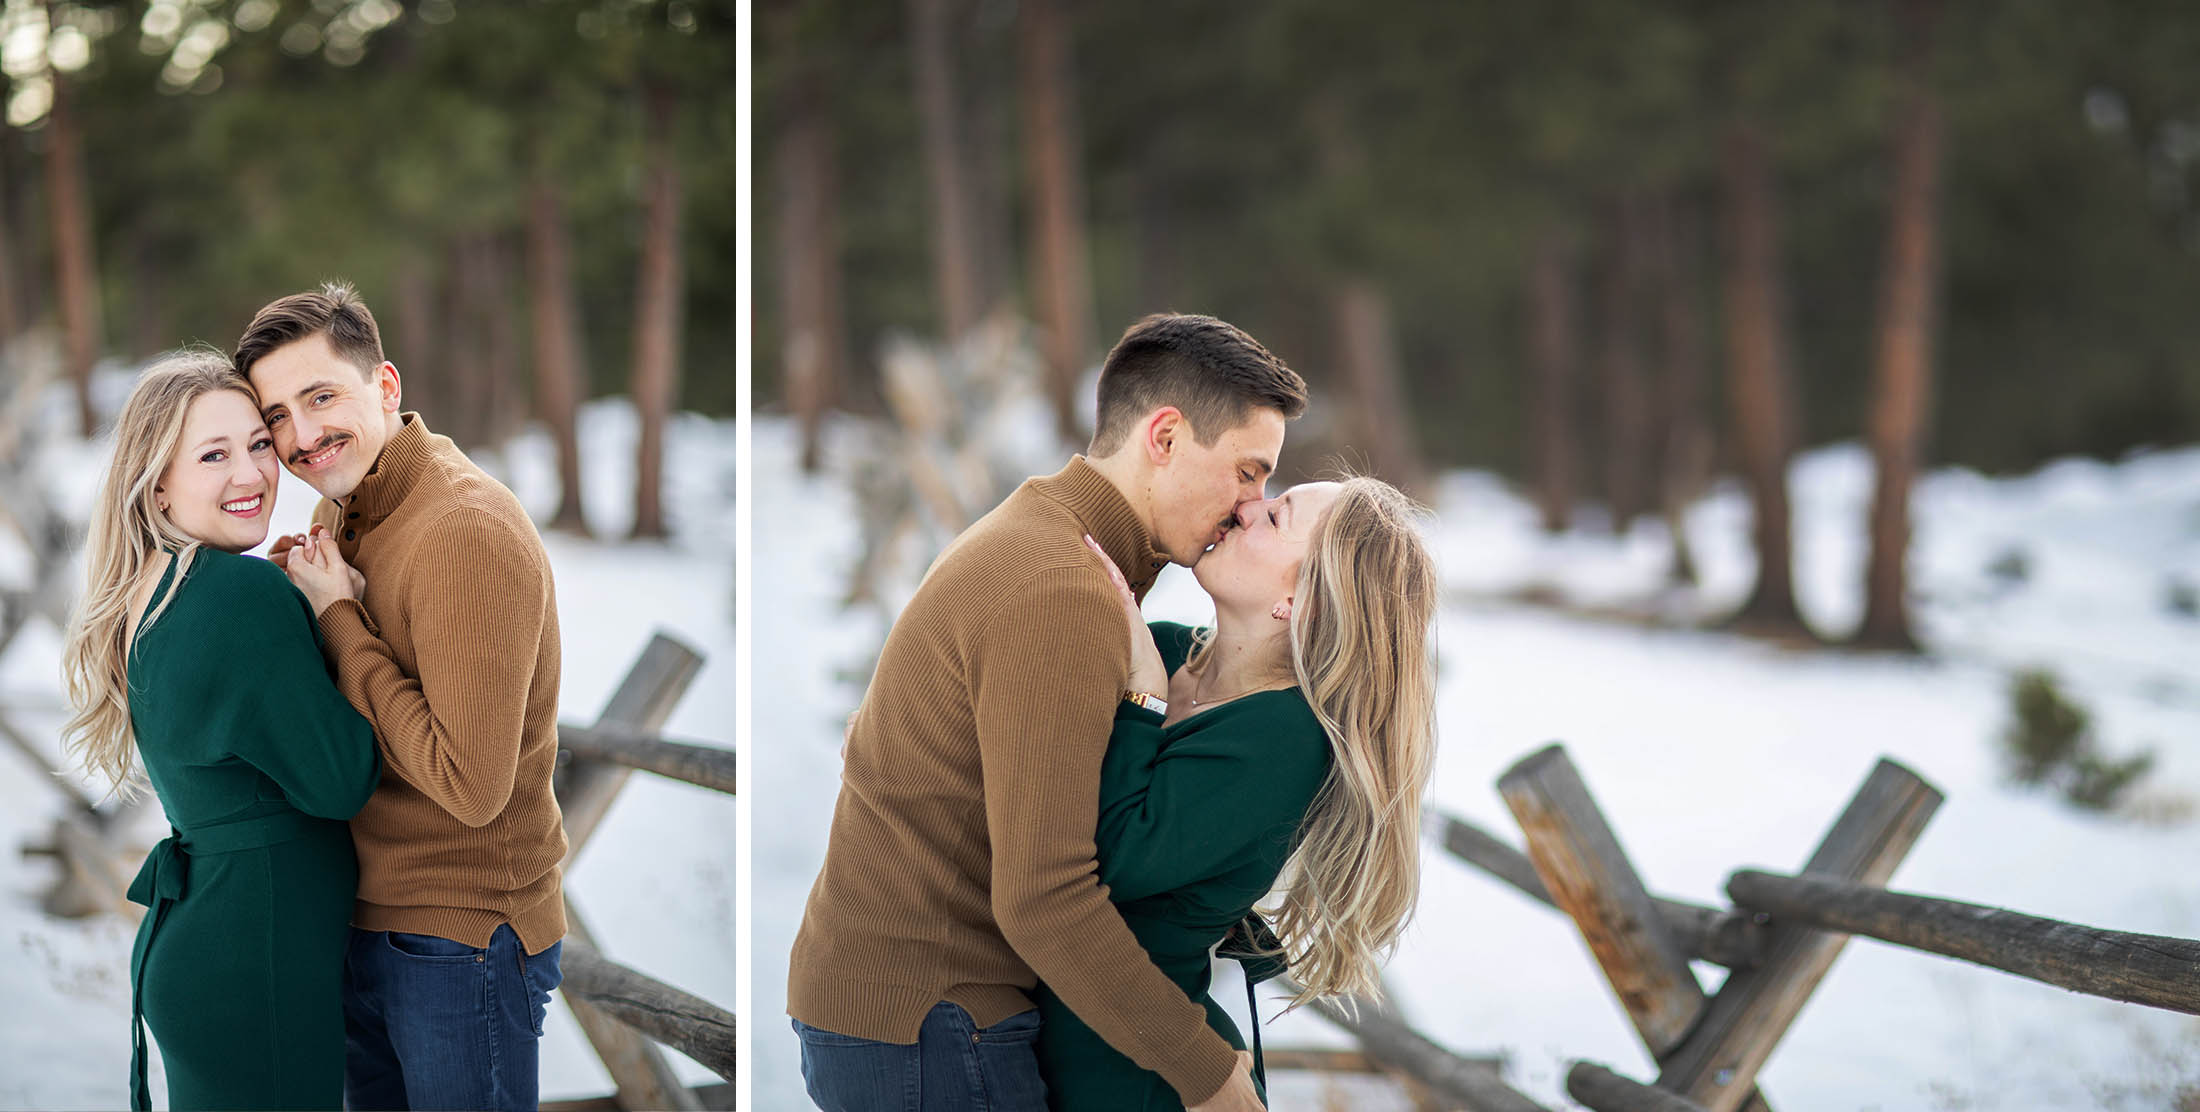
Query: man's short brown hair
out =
(334, 310)
(1210, 370)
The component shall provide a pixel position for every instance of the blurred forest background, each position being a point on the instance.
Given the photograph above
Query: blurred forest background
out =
(530, 194)
(1607, 249)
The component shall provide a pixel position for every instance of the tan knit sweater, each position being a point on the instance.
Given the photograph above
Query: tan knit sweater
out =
(961, 864)
(454, 659)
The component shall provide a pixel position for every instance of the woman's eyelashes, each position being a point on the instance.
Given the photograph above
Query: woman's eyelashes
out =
(217, 455)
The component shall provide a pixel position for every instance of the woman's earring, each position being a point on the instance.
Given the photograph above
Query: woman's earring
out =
(1282, 612)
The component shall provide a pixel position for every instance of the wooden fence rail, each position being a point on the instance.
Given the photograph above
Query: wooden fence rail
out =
(1779, 939)
(701, 765)
(686, 1022)
(1474, 1084)
(619, 1010)
(1601, 1090)
(2148, 969)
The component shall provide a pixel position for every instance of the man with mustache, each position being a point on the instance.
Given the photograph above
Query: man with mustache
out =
(453, 656)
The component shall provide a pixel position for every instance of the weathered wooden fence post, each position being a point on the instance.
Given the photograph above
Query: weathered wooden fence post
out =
(1718, 1064)
(644, 699)
(1588, 875)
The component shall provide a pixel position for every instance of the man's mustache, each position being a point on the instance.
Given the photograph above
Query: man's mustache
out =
(325, 443)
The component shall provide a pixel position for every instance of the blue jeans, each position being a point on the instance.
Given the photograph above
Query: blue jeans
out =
(432, 1023)
(954, 1066)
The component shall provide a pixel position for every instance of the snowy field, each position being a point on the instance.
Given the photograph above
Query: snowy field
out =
(1707, 752)
(656, 884)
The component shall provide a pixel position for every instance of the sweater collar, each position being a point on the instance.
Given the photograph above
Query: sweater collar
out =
(405, 458)
(1108, 516)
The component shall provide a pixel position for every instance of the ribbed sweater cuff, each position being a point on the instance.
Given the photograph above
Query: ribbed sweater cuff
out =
(1198, 1073)
(346, 616)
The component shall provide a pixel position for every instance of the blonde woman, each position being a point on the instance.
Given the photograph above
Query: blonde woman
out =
(1293, 738)
(195, 667)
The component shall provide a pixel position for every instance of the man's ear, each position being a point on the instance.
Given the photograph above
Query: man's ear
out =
(1165, 428)
(390, 385)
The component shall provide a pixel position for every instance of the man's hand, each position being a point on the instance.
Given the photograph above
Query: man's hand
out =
(318, 570)
(1238, 1094)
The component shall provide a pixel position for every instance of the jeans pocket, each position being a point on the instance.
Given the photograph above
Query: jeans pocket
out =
(843, 1073)
(542, 974)
(1023, 1027)
(428, 947)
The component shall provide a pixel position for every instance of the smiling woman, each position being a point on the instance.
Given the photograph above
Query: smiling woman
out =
(256, 758)
(220, 485)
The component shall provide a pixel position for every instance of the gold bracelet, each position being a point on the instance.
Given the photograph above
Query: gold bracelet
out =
(1149, 701)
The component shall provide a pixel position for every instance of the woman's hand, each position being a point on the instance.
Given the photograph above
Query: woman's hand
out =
(1147, 672)
(319, 571)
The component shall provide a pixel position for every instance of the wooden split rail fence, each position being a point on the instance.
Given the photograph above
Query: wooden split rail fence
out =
(624, 1014)
(1778, 940)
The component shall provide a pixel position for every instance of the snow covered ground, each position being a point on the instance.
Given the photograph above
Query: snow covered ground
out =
(1707, 752)
(656, 884)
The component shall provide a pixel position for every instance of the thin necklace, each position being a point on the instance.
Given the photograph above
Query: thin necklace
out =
(1202, 678)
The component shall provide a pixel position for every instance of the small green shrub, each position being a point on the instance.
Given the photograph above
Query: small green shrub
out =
(2049, 741)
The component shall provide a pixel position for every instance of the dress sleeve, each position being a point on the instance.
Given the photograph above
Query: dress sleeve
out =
(287, 718)
(1176, 811)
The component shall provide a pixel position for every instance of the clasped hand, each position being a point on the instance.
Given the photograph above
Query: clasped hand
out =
(317, 569)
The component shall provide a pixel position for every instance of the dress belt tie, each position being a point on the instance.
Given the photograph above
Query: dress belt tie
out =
(1257, 950)
(163, 881)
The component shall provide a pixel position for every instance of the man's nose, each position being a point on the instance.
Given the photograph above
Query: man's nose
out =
(1246, 511)
(306, 432)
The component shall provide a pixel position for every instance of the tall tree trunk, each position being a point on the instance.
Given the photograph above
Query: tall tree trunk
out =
(553, 309)
(1551, 358)
(150, 330)
(11, 304)
(1902, 379)
(955, 265)
(809, 256)
(1758, 376)
(410, 345)
(505, 407)
(658, 291)
(1154, 235)
(76, 278)
(1625, 399)
(1367, 347)
(465, 372)
(20, 209)
(1685, 444)
(1060, 261)
(988, 100)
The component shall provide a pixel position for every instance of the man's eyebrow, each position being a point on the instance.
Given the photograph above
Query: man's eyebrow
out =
(1264, 466)
(316, 387)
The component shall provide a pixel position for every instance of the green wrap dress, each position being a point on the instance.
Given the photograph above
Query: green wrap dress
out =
(258, 761)
(1196, 820)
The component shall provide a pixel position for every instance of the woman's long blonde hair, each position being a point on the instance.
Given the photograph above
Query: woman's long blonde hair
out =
(127, 533)
(1362, 648)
